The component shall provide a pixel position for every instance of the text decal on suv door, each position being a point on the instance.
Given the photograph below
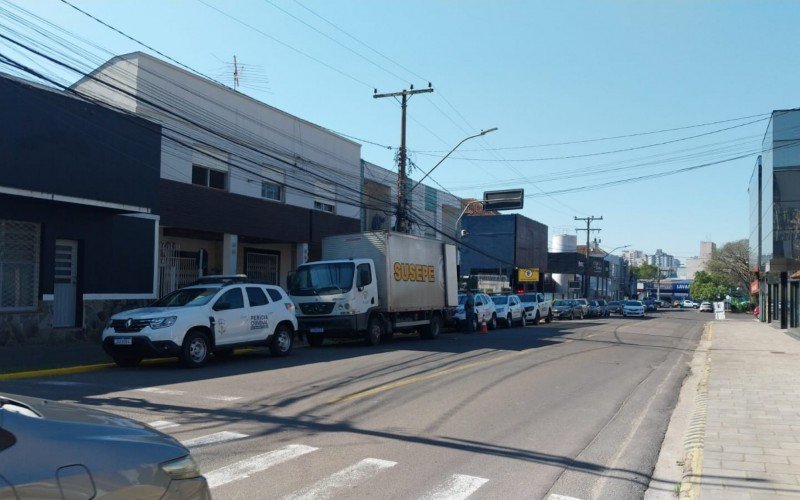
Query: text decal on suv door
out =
(258, 322)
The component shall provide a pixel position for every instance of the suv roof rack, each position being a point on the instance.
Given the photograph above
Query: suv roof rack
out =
(214, 279)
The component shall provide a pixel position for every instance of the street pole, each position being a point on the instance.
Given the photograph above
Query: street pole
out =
(588, 230)
(403, 224)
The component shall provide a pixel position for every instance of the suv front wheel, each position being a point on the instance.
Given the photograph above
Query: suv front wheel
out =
(195, 349)
(282, 341)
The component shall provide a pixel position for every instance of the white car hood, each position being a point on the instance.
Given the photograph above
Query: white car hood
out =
(148, 312)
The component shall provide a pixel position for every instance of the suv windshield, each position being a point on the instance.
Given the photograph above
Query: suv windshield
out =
(560, 303)
(527, 298)
(323, 279)
(500, 300)
(186, 297)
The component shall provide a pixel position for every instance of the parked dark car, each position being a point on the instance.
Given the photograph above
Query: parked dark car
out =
(602, 307)
(594, 309)
(614, 307)
(567, 309)
(649, 304)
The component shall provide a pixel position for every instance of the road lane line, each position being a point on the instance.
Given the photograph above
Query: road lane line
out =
(345, 478)
(163, 424)
(223, 398)
(219, 437)
(158, 390)
(245, 468)
(561, 497)
(458, 487)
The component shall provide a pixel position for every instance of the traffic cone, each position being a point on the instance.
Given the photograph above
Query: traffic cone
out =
(484, 326)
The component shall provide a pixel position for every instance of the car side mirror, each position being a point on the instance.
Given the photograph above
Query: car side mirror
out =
(222, 306)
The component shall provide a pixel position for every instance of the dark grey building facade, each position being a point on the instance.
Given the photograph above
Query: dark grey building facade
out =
(774, 194)
(78, 228)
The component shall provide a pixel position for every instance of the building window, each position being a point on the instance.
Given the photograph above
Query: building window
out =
(19, 265)
(325, 207)
(325, 196)
(431, 199)
(272, 185)
(209, 177)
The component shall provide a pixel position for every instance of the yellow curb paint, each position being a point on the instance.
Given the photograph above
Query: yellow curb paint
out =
(695, 437)
(71, 370)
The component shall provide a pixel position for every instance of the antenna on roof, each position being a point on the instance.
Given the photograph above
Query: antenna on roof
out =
(235, 73)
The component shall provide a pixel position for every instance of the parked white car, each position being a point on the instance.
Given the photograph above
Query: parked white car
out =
(509, 310)
(688, 304)
(536, 307)
(484, 309)
(216, 314)
(632, 308)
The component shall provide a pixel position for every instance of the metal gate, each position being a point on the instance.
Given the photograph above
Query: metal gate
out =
(175, 269)
(262, 267)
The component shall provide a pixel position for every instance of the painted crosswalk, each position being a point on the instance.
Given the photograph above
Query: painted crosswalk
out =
(345, 478)
(454, 487)
(245, 468)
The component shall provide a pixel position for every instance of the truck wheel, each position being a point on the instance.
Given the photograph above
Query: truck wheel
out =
(432, 330)
(315, 339)
(127, 361)
(536, 318)
(549, 317)
(282, 340)
(195, 350)
(374, 331)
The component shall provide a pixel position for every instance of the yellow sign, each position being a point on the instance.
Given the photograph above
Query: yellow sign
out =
(528, 274)
(413, 272)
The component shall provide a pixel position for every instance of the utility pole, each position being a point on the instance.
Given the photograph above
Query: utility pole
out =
(403, 223)
(588, 230)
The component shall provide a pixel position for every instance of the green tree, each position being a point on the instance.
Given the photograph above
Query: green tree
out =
(732, 262)
(644, 272)
(707, 286)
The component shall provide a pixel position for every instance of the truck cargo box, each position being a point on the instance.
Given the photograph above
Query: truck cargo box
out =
(413, 273)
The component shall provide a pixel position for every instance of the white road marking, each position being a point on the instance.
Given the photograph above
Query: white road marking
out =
(244, 468)
(553, 496)
(163, 424)
(219, 437)
(158, 390)
(458, 487)
(345, 478)
(223, 398)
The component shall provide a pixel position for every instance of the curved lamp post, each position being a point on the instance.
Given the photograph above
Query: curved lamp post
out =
(483, 132)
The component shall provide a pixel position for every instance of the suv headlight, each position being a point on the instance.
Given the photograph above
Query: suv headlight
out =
(157, 323)
(181, 468)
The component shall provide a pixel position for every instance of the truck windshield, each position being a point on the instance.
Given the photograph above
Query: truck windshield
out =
(323, 279)
(186, 297)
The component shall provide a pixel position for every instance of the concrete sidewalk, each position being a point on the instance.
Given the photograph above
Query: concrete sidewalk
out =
(736, 431)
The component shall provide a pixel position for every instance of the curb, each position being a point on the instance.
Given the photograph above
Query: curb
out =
(71, 370)
(695, 436)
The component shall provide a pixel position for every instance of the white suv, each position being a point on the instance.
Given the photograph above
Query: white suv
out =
(216, 314)
(484, 309)
(509, 310)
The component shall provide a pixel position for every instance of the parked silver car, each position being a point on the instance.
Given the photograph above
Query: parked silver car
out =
(55, 450)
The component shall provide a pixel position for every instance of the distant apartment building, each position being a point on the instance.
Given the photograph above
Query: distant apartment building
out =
(695, 264)
(635, 257)
(662, 260)
(775, 221)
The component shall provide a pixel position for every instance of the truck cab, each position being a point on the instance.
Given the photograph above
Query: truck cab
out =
(334, 298)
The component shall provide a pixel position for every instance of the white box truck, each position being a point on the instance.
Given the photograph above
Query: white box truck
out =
(371, 284)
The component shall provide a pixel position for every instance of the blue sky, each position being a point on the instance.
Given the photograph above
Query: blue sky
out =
(542, 72)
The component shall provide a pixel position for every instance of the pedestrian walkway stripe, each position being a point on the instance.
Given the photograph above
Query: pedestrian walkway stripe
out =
(163, 424)
(158, 390)
(345, 478)
(245, 468)
(219, 437)
(458, 487)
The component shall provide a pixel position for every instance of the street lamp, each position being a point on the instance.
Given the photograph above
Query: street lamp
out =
(483, 132)
(612, 251)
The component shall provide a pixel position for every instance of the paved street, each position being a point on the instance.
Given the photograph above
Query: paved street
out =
(573, 408)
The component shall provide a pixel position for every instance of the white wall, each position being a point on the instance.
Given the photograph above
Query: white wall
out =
(258, 127)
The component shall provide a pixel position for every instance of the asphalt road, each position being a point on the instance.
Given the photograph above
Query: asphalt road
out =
(574, 408)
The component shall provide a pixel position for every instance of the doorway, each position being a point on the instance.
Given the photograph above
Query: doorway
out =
(65, 284)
